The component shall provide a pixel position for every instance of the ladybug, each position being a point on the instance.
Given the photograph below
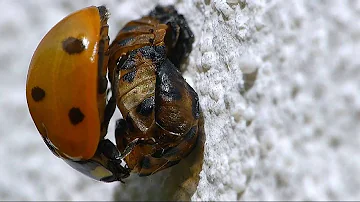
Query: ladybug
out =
(66, 92)
(162, 119)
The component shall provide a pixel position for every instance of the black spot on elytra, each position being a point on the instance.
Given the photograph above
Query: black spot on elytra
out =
(146, 106)
(73, 45)
(37, 94)
(75, 116)
(129, 77)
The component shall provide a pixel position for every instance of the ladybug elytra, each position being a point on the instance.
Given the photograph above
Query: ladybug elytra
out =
(66, 94)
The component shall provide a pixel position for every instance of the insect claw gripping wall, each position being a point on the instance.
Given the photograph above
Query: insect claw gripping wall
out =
(66, 92)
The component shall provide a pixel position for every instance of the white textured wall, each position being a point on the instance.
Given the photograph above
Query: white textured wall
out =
(278, 83)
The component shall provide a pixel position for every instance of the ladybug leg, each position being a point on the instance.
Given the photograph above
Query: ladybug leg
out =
(109, 111)
(103, 53)
(105, 165)
(120, 133)
(110, 151)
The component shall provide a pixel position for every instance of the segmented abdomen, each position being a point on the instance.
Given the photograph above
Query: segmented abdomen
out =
(136, 34)
(135, 70)
(159, 107)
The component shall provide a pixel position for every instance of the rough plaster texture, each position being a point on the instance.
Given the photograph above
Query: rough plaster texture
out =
(278, 83)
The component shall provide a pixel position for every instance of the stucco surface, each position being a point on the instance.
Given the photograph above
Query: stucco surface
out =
(278, 83)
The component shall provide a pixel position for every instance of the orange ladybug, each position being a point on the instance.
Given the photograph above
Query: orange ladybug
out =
(66, 94)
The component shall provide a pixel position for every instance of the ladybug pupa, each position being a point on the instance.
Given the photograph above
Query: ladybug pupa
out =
(162, 119)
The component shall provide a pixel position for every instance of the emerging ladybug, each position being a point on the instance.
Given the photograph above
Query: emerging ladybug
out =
(66, 94)
(162, 117)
